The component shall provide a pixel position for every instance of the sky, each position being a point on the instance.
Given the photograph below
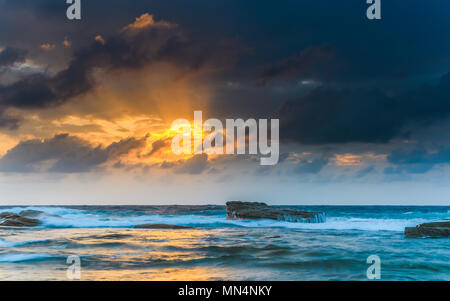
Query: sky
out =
(86, 106)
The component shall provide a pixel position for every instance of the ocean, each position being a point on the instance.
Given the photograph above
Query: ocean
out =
(108, 247)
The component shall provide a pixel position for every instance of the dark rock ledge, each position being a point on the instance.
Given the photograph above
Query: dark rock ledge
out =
(436, 229)
(9, 219)
(253, 210)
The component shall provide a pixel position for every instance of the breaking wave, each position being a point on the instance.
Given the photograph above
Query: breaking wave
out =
(215, 217)
(23, 257)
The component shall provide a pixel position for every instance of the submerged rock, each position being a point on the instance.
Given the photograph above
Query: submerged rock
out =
(161, 226)
(31, 213)
(10, 219)
(436, 229)
(8, 215)
(254, 210)
(19, 221)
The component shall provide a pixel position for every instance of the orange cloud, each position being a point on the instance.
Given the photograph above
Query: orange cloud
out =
(47, 46)
(100, 39)
(67, 43)
(147, 20)
(357, 159)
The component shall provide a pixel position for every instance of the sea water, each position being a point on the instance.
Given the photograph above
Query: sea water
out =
(215, 248)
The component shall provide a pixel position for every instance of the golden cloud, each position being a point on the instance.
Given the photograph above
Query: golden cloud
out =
(67, 43)
(146, 20)
(100, 39)
(47, 46)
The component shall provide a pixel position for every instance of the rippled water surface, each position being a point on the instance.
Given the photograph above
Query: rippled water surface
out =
(220, 249)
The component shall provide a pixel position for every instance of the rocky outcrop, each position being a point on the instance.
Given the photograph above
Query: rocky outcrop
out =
(31, 213)
(10, 219)
(161, 226)
(436, 229)
(253, 210)
(8, 215)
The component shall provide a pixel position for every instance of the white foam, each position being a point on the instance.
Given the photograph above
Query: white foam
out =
(7, 244)
(22, 257)
(60, 217)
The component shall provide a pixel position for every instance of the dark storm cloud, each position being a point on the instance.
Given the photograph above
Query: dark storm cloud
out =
(397, 47)
(365, 171)
(124, 146)
(283, 39)
(167, 165)
(11, 55)
(159, 144)
(419, 168)
(416, 161)
(39, 90)
(195, 165)
(8, 122)
(311, 166)
(282, 36)
(330, 115)
(132, 48)
(313, 62)
(64, 154)
(34, 91)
